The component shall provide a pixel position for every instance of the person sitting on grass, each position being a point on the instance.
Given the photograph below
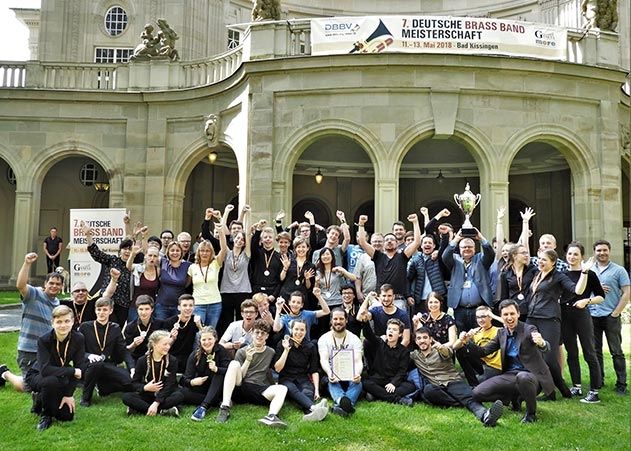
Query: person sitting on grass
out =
(184, 328)
(239, 333)
(296, 359)
(154, 380)
(248, 379)
(52, 376)
(295, 311)
(341, 345)
(386, 379)
(105, 348)
(202, 382)
(443, 385)
(138, 331)
(524, 370)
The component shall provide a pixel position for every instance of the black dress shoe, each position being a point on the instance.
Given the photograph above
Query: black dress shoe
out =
(3, 369)
(44, 423)
(529, 418)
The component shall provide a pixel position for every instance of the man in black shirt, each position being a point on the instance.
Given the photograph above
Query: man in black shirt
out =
(52, 249)
(184, 328)
(138, 332)
(52, 376)
(105, 348)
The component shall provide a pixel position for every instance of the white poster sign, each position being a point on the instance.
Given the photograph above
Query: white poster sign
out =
(437, 34)
(108, 231)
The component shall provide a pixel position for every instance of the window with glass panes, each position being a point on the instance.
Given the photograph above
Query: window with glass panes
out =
(233, 38)
(115, 20)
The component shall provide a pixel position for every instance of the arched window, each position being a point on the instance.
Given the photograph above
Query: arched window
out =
(115, 20)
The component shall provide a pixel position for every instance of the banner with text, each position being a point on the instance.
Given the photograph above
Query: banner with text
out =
(436, 34)
(108, 231)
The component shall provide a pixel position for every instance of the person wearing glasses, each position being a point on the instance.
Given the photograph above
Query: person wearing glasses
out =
(80, 304)
(239, 333)
(470, 285)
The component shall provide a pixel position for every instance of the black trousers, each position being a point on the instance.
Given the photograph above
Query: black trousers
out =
(140, 402)
(109, 378)
(376, 387)
(612, 328)
(51, 390)
(51, 265)
(550, 330)
(454, 394)
(508, 386)
(119, 316)
(578, 322)
(230, 310)
(471, 365)
(205, 395)
(465, 318)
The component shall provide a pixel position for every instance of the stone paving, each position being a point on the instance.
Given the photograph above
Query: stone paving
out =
(10, 318)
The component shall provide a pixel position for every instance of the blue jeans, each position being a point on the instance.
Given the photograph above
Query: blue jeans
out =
(209, 313)
(164, 312)
(352, 392)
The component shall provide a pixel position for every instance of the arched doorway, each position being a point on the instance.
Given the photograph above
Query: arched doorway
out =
(74, 182)
(320, 210)
(7, 206)
(432, 171)
(348, 177)
(540, 178)
(210, 185)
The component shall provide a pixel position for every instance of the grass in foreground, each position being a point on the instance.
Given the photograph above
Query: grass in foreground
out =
(9, 297)
(566, 424)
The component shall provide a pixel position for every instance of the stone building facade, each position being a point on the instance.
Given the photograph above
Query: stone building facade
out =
(389, 132)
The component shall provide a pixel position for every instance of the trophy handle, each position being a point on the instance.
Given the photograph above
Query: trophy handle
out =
(477, 199)
(457, 200)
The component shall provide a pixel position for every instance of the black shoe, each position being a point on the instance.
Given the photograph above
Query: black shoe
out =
(84, 403)
(44, 423)
(621, 390)
(3, 369)
(369, 397)
(529, 418)
(406, 402)
(347, 405)
(37, 403)
(337, 410)
(493, 414)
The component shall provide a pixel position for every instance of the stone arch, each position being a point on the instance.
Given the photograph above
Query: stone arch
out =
(567, 142)
(186, 160)
(285, 160)
(10, 157)
(471, 137)
(48, 157)
(320, 204)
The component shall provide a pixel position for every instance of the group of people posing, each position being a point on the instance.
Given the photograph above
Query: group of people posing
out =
(255, 314)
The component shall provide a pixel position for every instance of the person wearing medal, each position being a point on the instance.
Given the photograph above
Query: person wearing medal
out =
(80, 304)
(137, 332)
(105, 348)
(266, 265)
(544, 311)
(285, 315)
(516, 277)
(202, 381)
(53, 376)
(155, 385)
(235, 284)
(298, 272)
(296, 361)
(204, 274)
(184, 328)
(341, 359)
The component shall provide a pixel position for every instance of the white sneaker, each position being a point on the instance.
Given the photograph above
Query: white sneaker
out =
(317, 414)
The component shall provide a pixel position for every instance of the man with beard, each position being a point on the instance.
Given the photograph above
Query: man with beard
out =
(335, 344)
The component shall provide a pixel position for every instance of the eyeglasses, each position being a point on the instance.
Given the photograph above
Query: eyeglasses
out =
(80, 290)
(481, 316)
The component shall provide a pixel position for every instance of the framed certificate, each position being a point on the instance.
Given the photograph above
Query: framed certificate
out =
(343, 364)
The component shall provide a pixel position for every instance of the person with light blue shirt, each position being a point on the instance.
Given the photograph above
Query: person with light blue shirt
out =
(606, 315)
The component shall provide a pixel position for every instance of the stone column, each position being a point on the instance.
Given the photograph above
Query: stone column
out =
(386, 203)
(497, 193)
(172, 212)
(24, 227)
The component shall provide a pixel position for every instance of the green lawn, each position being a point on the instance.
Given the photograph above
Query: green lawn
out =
(566, 424)
(9, 297)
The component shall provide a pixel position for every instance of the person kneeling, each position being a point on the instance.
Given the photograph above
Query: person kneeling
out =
(387, 375)
(446, 388)
(154, 380)
(296, 358)
(52, 376)
(206, 367)
(247, 378)
(104, 347)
